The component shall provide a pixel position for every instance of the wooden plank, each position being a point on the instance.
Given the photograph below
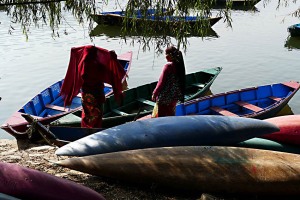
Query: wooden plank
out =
(222, 111)
(275, 98)
(248, 106)
(199, 85)
(119, 112)
(150, 103)
(54, 107)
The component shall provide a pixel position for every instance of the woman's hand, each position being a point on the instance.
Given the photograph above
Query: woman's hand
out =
(153, 97)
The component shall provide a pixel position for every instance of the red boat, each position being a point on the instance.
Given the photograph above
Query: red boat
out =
(289, 129)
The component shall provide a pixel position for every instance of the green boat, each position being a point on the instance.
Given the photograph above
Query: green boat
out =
(138, 103)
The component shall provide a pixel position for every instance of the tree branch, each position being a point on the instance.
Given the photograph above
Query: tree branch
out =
(29, 2)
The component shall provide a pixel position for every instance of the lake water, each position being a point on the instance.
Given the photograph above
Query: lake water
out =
(255, 51)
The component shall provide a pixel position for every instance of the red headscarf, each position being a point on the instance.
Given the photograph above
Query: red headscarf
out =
(112, 71)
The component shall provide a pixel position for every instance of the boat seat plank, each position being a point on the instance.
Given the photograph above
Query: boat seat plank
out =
(199, 85)
(275, 98)
(59, 108)
(119, 112)
(145, 101)
(248, 106)
(222, 111)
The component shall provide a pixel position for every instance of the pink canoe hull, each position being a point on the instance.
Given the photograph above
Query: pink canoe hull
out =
(289, 129)
(26, 183)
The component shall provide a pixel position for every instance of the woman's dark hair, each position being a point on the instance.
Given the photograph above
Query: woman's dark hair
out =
(177, 59)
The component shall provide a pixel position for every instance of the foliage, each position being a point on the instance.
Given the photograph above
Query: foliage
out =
(37, 13)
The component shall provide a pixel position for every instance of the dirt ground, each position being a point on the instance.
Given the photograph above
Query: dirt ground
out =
(39, 157)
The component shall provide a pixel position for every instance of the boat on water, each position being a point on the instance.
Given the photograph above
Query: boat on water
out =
(138, 103)
(260, 102)
(294, 30)
(117, 18)
(48, 105)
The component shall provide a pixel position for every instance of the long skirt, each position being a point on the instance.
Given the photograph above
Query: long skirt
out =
(92, 111)
(162, 110)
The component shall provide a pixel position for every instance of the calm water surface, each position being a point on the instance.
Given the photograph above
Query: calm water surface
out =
(256, 50)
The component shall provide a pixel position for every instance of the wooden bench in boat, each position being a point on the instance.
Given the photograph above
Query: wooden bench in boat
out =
(275, 98)
(248, 106)
(145, 101)
(198, 85)
(59, 108)
(222, 111)
(119, 112)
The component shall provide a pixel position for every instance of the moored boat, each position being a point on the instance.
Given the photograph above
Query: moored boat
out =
(48, 105)
(260, 102)
(138, 103)
(294, 30)
(117, 18)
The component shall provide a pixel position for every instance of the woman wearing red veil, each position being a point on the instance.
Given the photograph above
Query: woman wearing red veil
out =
(89, 68)
(171, 84)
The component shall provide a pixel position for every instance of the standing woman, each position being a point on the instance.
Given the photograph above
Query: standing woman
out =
(171, 85)
(89, 68)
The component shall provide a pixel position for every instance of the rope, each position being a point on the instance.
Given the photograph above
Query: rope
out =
(27, 132)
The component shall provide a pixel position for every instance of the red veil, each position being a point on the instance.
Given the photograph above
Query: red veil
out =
(111, 71)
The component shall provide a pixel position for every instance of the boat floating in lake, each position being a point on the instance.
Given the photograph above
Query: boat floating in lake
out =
(259, 102)
(294, 30)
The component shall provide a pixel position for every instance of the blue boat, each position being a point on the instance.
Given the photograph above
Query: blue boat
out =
(48, 105)
(117, 17)
(259, 102)
(294, 30)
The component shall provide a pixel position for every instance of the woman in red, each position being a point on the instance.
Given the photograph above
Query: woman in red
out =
(89, 68)
(171, 85)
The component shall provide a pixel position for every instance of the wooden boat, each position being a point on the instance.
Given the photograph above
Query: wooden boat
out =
(47, 106)
(259, 102)
(289, 129)
(266, 144)
(138, 103)
(25, 183)
(221, 170)
(169, 131)
(117, 18)
(294, 30)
